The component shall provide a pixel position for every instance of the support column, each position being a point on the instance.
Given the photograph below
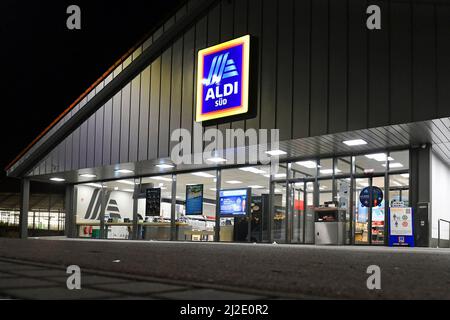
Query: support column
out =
(173, 225)
(420, 194)
(68, 208)
(24, 207)
(137, 191)
(218, 186)
(103, 232)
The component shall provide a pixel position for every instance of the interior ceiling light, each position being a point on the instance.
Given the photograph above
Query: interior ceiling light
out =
(95, 185)
(393, 165)
(276, 152)
(307, 164)
(329, 171)
(124, 171)
(256, 187)
(88, 175)
(216, 159)
(131, 183)
(233, 182)
(165, 166)
(356, 142)
(253, 170)
(56, 179)
(161, 179)
(381, 157)
(203, 174)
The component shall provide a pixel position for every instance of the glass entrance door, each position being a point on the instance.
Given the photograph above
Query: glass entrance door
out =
(369, 224)
(300, 224)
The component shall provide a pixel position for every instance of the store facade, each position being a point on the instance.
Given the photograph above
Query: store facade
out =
(362, 122)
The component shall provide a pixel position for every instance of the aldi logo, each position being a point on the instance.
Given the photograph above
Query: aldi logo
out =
(222, 80)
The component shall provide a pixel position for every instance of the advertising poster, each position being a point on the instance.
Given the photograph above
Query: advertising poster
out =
(401, 231)
(401, 222)
(153, 202)
(233, 202)
(374, 193)
(194, 199)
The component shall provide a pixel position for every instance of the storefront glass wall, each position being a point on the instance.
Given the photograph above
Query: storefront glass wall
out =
(304, 193)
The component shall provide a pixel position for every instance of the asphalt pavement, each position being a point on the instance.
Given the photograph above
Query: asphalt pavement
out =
(194, 270)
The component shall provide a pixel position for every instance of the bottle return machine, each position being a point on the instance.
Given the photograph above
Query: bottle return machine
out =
(329, 225)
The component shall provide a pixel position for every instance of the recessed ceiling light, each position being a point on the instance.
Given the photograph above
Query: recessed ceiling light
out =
(116, 188)
(233, 182)
(256, 187)
(307, 164)
(165, 166)
(131, 183)
(369, 170)
(280, 175)
(277, 175)
(95, 185)
(276, 152)
(161, 178)
(88, 175)
(253, 170)
(395, 182)
(393, 165)
(216, 159)
(329, 171)
(124, 171)
(57, 179)
(381, 157)
(356, 142)
(203, 174)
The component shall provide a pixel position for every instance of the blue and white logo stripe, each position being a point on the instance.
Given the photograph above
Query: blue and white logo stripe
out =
(221, 68)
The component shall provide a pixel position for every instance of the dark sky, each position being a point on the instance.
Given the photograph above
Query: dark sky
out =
(45, 66)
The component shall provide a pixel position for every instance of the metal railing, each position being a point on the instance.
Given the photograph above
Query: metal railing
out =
(439, 231)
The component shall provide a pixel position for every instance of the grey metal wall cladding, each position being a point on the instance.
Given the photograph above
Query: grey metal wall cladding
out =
(320, 70)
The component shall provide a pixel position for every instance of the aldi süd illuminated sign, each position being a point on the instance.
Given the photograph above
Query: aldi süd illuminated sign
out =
(223, 79)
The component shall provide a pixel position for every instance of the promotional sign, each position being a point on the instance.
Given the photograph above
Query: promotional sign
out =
(153, 202)
(223, 80)
(194, 199)
(377, 196)
(234, 202)
(401, 227)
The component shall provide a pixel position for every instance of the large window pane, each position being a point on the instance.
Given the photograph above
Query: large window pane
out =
(399, 190)
(378, 214)
(196, 227)
(257, 178)
(155, 226)
(399, 160)
(304, 169)
(326, 167)
(371, 163)
(361, 216)
(87, 209)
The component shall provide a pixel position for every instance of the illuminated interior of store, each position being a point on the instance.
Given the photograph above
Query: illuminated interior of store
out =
(315, 189)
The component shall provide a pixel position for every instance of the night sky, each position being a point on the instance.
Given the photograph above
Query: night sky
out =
(45, 66)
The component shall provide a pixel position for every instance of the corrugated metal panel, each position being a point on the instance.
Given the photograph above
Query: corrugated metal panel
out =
(320, 71)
